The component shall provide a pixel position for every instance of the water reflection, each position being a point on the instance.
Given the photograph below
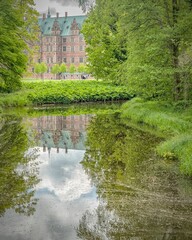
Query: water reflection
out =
(141, 196)
(102, 183)
(61, 132)
(16, 178)
(64, 193)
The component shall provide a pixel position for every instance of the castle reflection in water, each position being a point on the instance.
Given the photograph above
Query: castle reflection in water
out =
(66, 132)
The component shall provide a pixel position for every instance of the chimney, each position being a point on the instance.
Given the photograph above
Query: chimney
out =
(66, 14)
(57, 15)
(44, 16)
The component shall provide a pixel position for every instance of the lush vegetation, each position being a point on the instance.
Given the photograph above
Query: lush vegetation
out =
(18, 22)
(175, 123)
(64, 92)
(146, 45)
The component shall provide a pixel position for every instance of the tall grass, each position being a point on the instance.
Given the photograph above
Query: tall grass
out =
(175, 125)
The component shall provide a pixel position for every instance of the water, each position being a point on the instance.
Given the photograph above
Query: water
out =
(87, 176)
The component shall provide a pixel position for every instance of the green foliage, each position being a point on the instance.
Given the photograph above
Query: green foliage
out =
(81, 68)
(40, 68)
(181, 148)
(106, 46)
(37, 68)
(146, 45)
(55, 69)
(63, 68)
(14, 40)
(74, 91)
(62, 92)
(72, 68)
(14, 183)
(175, 124)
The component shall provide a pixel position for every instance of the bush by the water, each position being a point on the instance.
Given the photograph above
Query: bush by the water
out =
(74, 91)
(64, 92)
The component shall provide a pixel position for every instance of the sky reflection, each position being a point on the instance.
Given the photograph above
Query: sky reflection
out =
(64, 193)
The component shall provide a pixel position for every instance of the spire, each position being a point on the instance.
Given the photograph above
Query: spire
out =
(49, 13)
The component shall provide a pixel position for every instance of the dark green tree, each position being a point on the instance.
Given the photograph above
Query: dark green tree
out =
(18, 28)
(106, 46)
(158, 38)
(146, 45)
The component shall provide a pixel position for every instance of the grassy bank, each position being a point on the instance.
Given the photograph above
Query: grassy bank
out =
(63, 92)
(175, 124)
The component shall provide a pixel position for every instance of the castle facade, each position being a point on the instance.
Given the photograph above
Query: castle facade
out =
(60, 42)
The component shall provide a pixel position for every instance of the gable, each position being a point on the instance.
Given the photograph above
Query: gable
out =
(64, 24)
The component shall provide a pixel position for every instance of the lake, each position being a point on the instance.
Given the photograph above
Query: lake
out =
(78, 172)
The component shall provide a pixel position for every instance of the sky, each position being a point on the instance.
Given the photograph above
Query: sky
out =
(61, 6)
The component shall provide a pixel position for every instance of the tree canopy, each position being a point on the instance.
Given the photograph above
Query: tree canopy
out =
(18, 28)
(147, 45)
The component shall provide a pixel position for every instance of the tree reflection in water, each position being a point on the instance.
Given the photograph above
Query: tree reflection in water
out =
(17, 168)
(141, 196)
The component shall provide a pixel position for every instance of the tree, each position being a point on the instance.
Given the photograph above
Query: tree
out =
(146, 45)
(81, 68)
(106, 45)
(40, 68)
(72, 68)
(55, 69)
(37, 68)
(16, 34)
(63, 69)
(86, 5)
(153, 68)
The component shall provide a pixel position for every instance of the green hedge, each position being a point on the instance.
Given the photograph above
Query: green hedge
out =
(63, 92)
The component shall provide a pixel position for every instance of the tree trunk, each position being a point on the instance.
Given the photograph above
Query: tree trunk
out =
(176, 75)
(175, 48)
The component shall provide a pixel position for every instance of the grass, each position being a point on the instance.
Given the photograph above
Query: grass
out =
(175, 124)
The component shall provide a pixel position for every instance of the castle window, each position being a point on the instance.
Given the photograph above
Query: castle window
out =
(64, 40)
(64, 48)
(72, 48)
(64, 60)
(72, 60)
(81, 60)
(72, 39)
(81, 48)
(81, 38)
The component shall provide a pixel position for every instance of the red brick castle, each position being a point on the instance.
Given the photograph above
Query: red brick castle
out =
(61, 42)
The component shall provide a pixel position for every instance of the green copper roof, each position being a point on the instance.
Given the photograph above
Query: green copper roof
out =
(64, 24)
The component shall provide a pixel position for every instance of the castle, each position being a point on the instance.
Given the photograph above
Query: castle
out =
(60, 42)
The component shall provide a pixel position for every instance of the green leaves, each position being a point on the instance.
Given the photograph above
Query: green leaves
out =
(146, 45)
(74, 91)
(105, 48)
(15, 40)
